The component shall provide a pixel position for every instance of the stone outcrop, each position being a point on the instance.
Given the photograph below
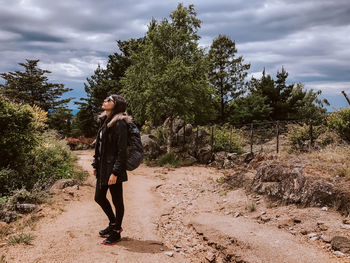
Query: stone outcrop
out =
(150, 146)
(61, 184)
(289, 185)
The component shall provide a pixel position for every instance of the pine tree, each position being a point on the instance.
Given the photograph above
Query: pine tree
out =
(227, 73)
(31, 86)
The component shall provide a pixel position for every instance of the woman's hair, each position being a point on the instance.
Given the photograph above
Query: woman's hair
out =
(119, 107)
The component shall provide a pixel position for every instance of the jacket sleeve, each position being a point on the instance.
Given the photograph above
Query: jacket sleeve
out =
(122, 141)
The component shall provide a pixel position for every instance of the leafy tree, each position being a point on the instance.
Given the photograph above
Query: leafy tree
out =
(31, 86)
(286, 101)
(227, 73)
(103, 83)
(252, 107)
(168, 75)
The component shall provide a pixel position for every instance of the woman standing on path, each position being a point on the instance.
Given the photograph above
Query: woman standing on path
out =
(110, 163)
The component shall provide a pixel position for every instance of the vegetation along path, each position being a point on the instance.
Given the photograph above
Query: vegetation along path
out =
(172, 215)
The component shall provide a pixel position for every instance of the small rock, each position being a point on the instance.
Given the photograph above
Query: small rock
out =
(311, 235)
(237, 214)
(169, 253)
(326, 238)
(346, 221)
(341, 243)
(325, 208)
(296, 220)
(3, 244)
(303, 232)
(227, 213)
(210, 257)
(265, 219)
(76, 187)
(323, 227)
(161, 249)
(263, 213)
(338, 253)
(25, 208)
(314, 238)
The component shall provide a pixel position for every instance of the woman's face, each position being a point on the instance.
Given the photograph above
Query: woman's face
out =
(108, 103)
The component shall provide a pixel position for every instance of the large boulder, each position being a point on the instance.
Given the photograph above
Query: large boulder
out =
(61, 184)
(290, 186)
(150, 146)
(177, 124)
(205, 154)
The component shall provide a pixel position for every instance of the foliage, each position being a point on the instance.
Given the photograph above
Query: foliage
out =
(226, 73)
(60, 120)
(30, 158)
(18, 134)
(340, 121)
(250, 108)
(168, 158)
(284, 101)
(222, 140)
(31, 87)
(25, 238)
(299, 136)
(168, 75)
(103, 83)
(160, 134)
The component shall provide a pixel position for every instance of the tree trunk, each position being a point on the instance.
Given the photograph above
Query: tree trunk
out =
(170, 135)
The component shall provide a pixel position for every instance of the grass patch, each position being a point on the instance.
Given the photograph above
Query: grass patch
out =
(24, 238)
(170, 159)
(333, 160)
(251, 206)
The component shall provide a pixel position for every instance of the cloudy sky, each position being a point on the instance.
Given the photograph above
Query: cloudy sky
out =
(310, 38)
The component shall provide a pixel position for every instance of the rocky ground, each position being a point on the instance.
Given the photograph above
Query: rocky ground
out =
(187, 214)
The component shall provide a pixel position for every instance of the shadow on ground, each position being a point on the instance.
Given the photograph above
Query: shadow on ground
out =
(142, 246)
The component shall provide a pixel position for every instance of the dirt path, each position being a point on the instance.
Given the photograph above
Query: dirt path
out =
(72, 235)
(174, 215)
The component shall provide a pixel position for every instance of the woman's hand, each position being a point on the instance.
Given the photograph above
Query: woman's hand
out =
(112, 179)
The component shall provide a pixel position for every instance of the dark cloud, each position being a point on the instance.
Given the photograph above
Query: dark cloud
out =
(309, 38)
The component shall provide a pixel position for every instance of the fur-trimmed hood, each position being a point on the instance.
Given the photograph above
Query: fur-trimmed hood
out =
(120, 116)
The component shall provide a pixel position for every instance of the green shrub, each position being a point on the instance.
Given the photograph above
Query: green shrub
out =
(21, 238)
(222, 139)
(168, 158)
(340, 122)
(50, 161)
(160, 135)
(18, 134)
(299, 136)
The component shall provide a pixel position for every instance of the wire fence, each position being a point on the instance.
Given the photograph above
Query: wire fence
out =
(262, 136)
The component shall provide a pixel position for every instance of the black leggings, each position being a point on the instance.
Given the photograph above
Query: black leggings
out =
(116, 191)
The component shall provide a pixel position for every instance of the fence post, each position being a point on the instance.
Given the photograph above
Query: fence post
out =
(251, 138)
(277, 136)
(230, 138)
(311, 135)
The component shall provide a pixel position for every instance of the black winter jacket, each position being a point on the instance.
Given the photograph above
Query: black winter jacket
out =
(113, 156)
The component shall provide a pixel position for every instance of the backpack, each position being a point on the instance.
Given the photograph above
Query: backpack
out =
(135, 149)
